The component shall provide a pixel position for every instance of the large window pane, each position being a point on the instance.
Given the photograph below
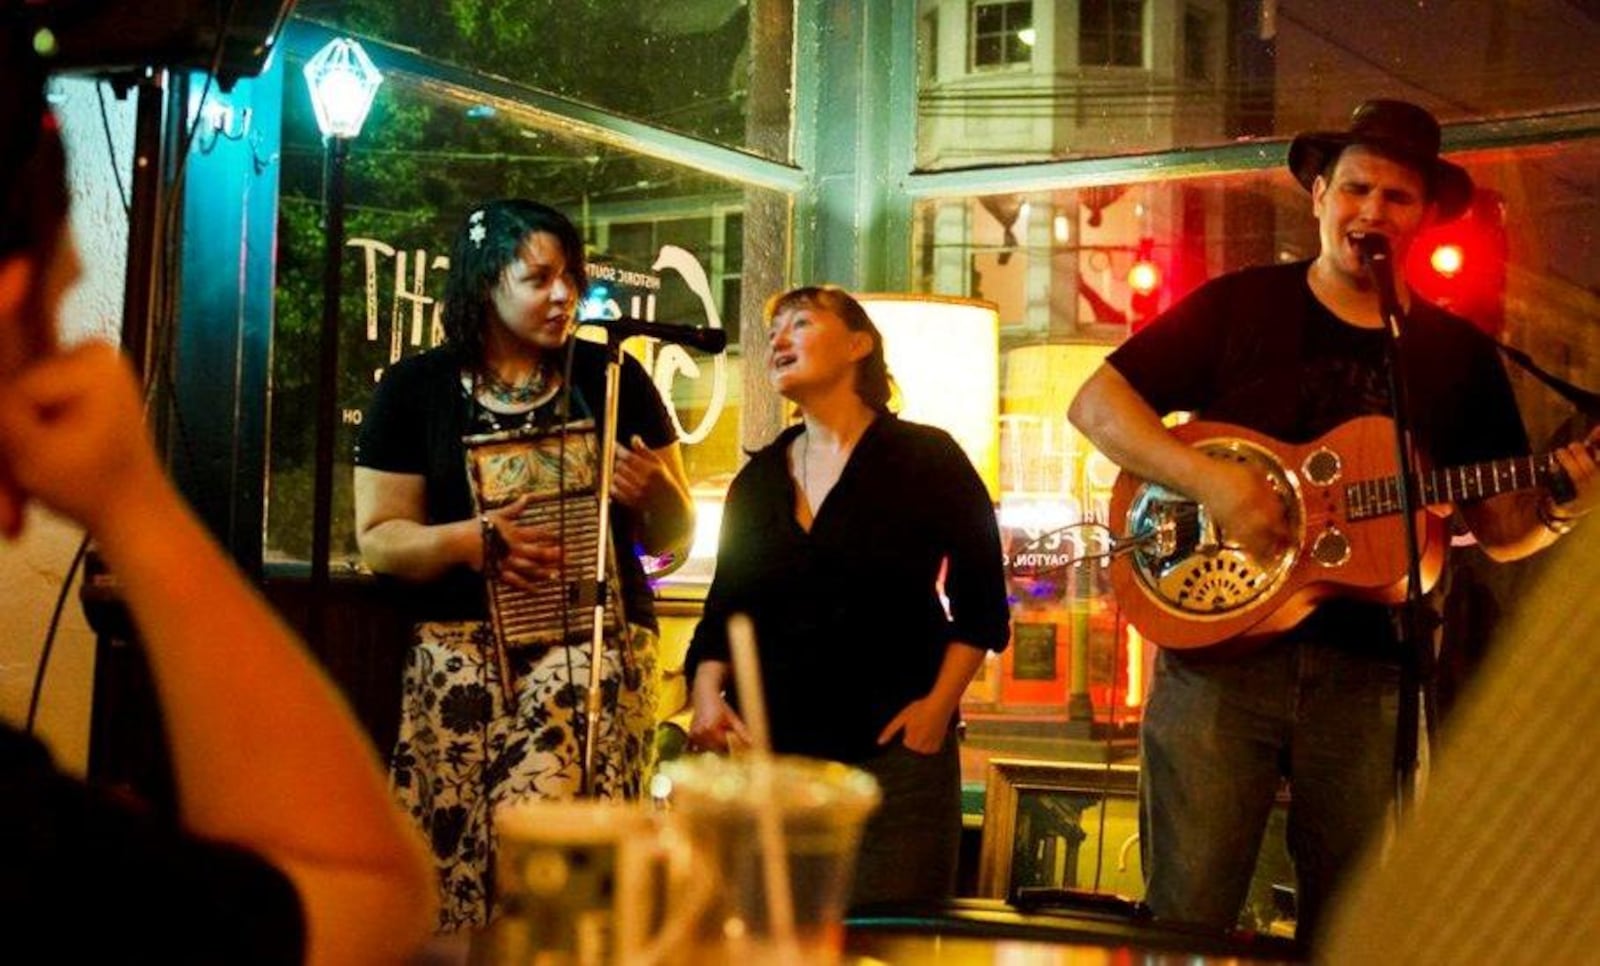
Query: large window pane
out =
(1059, 264)
(1113, 77)
(1111, 33)
(683, 65)
(667, 243)
(1002, 33)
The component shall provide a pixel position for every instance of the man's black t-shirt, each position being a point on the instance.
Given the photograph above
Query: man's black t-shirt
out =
(1255, 348)
(84, 878)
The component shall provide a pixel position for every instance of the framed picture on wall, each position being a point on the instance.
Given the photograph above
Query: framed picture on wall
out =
(1060, 825)
(1073, 828)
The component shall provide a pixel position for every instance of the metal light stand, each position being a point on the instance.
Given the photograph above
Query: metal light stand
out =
(342, 80)
(338, 150)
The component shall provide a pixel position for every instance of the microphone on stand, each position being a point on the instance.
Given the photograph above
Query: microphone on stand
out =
(1375, 254)
(698, 337)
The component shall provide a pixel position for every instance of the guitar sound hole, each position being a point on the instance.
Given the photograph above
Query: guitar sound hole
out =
(1322, 467)
(1331, 548)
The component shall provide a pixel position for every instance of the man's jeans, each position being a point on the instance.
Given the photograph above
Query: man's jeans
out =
(1217, 736)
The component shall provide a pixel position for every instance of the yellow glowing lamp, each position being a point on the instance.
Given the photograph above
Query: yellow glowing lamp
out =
(944, 354)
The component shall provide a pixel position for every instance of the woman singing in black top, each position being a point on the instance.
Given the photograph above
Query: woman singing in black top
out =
(837, 540)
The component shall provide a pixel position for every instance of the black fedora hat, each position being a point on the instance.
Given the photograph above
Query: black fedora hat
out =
(1398, 130)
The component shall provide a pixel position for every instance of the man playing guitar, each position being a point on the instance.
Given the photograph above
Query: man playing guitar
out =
(1291, 352)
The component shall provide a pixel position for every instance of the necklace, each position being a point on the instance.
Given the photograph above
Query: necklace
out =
(498, 406)
(492, 421)
(518, 394)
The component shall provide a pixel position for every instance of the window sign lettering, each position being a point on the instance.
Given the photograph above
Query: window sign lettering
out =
(415, 305)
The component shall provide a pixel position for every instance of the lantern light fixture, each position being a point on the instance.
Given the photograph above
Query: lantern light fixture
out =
(343, 82)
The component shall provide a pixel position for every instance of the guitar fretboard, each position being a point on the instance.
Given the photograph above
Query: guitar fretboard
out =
(1459, 484)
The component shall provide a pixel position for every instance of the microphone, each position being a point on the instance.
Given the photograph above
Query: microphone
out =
(1372, 246)
(699, 337)
(1375, 255)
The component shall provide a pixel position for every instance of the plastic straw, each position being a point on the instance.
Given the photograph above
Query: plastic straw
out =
(774, 853)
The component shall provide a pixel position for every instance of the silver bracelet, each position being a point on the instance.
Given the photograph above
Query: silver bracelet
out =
(494, 546)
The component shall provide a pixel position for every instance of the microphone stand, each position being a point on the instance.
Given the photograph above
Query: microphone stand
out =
(616, 330)
(608, 452)
(1416, 671)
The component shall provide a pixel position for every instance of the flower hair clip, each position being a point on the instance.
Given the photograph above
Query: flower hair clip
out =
(477, 232)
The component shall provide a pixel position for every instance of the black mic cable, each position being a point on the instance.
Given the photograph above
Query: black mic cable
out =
(698, 337)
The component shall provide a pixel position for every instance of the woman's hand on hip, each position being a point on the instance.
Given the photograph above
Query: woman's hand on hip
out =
(922, 726)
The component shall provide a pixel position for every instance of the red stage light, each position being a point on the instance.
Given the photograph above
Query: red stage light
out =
(1461, 264)
(1144, 277)
(1447, 260)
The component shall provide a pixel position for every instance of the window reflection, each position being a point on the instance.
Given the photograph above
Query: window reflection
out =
(683, 65)
(1002, 33)
(1109, 77)
(1061, 267)
(1111, 33)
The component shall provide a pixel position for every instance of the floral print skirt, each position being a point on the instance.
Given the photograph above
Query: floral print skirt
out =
(462, 752)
